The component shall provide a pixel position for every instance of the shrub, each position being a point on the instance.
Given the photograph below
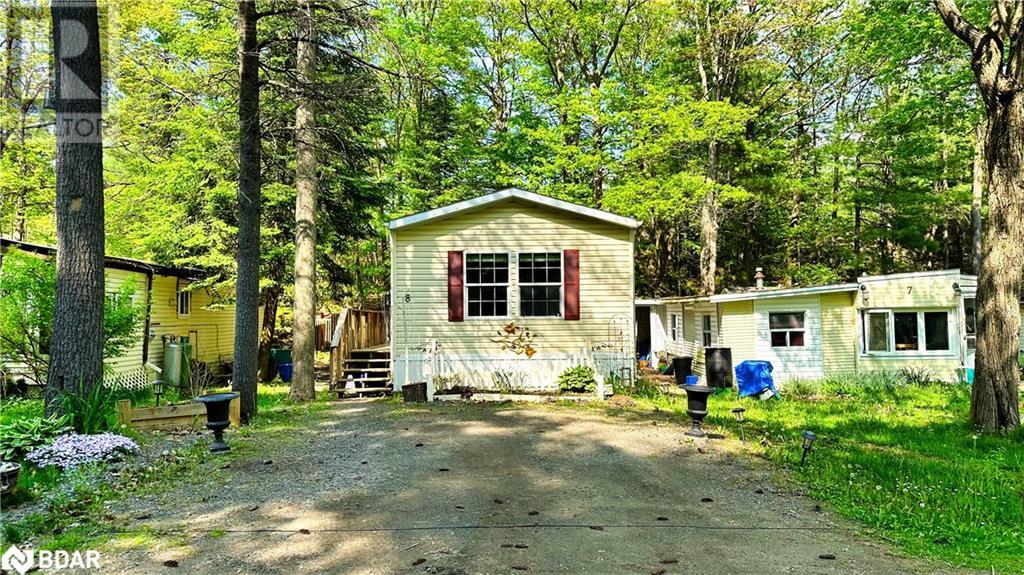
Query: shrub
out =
(916, 376)
(27, 309)
(578, 379)
(71, 450)
(23, 435)
(92, 411)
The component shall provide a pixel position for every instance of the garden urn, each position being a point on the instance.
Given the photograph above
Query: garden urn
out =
(218, 405)
(9, 472)
(697, 407)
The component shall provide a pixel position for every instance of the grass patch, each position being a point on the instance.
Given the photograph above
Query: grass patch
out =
(903, 459)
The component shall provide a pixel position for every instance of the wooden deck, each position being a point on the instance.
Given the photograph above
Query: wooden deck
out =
(382, 348)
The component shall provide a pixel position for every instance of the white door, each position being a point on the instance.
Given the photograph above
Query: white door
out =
(788, 334)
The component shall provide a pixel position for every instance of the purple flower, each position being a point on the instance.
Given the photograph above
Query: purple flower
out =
(71, 450)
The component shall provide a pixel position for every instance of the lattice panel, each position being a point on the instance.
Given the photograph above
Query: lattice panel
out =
(134, 379)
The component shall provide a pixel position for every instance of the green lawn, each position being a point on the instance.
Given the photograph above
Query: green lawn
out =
(902, 459)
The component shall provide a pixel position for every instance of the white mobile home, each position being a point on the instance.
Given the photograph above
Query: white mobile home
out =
(921, 320)
(510, 285)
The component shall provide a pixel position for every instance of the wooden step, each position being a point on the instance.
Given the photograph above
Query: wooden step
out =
(355, 370)
(366, 360)
(358, 379)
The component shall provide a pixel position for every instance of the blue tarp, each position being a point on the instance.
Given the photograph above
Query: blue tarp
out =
(754, 376)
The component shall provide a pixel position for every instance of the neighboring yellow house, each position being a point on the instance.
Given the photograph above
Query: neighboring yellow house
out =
(173, 310)
(463, 273)
(887, 322)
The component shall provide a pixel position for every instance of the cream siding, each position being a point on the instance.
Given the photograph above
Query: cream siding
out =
(211, 331)
(738, 329)
(838, 333)
(788, 363)
(115, 280)
(420, 271)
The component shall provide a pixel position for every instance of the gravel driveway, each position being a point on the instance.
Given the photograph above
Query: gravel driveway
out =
(451, 489)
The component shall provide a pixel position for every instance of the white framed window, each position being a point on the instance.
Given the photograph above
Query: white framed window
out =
(674, 323)
(971, 322)
(906, 331)
(184, 300)
(487, 285)
(706, 336)
(786, 329)
(540, 284)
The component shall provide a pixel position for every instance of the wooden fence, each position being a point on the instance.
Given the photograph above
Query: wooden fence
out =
(356, 329)
(182, 416)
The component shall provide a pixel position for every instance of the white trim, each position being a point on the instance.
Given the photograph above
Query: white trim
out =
(645, 302)
(914, 275)
(788, 330)
(511, 193)
(785, 292)
(560, 284)
(465, 286)
(951, 352)
(183, 291)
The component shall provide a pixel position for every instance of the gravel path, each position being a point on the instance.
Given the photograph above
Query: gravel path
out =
(452, 489)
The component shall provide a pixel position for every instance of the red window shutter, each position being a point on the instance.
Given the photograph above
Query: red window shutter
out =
(455, 275)
(571, 273)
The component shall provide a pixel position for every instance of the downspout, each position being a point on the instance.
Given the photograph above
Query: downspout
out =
(149, 302)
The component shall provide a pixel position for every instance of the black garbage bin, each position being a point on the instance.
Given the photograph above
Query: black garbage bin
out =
(682, 367)
(414, 392)
(718, 366)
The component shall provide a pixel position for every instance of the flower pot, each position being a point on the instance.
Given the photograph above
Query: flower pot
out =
(697, 407)
(218, 405)
(9, 472)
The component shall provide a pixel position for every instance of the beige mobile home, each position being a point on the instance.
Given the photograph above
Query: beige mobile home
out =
(919, 320)
(173, 310)
(510, 288)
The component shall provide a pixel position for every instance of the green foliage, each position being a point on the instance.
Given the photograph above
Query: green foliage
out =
(25, 434)
(15, 408)
(577, 379)
(28, 292)
(898, 455)
(90, 412)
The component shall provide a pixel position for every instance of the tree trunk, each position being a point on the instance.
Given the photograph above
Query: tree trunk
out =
(994, 393)
(12, 72)
(271, 297)
(248, 256)
(304, 312)
(76, 349)
(709, 226)
(978, 189)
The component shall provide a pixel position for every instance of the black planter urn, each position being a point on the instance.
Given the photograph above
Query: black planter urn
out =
(697, 407)
(217, 407)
